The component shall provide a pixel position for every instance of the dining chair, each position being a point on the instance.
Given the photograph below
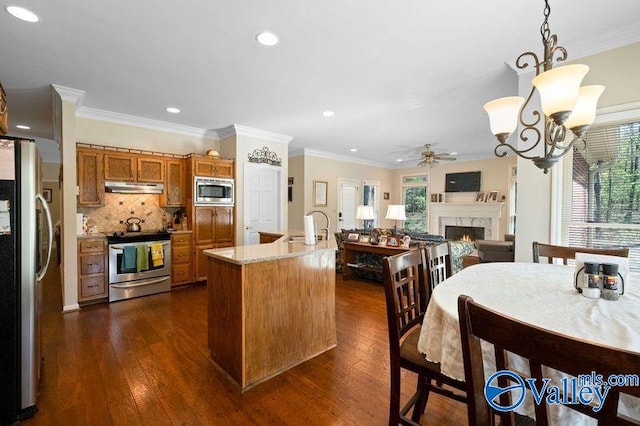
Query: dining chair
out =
(542, 348)
(406, 297)
(552, 252)
(439, 264)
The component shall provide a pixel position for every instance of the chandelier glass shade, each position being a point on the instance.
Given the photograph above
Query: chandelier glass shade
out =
(565, 106)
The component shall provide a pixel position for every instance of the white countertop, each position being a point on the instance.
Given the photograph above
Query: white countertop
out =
(271, 251)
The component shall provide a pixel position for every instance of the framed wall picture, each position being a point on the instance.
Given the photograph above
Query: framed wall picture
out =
(479, 197)
(46, 193)
(386, 195)
(320, 193)
(492, 196)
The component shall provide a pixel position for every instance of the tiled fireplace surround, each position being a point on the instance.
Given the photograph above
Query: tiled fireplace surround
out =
(486, 215)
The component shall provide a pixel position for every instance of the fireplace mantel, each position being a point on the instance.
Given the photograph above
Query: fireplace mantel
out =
(491, 211)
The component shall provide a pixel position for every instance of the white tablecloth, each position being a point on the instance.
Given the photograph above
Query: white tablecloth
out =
(539, 294)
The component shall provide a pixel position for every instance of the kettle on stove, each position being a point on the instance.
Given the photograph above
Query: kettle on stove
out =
(133, 226)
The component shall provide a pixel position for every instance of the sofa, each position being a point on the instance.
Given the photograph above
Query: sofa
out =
(459, 249)
(496, 251)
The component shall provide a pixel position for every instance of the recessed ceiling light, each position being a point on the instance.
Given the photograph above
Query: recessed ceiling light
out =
(354, 150)
(267, 38)
(22, 13)
(399, 160)
(23, 127)
(328, 113)
(453, 153)
(173, 110)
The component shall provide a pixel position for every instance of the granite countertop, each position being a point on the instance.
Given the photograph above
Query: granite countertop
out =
(279, 249)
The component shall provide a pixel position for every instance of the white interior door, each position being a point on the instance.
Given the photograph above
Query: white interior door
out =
(347, 203)
(262, 212)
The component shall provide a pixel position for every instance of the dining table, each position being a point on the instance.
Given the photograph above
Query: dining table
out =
(539, 294)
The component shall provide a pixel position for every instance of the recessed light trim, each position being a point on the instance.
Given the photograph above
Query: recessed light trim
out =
(453, 153)
(399, 160)
(23, 127)
(22, 14)
(328, 113)
(173, 110)
(354, 150)
(267, 38)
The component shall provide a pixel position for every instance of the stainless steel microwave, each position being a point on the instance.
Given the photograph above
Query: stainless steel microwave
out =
(213, 191)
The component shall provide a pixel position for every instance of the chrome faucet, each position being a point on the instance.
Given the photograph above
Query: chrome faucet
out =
(328, 228)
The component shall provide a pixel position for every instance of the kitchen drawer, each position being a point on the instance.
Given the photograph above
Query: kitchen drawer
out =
(92, 264)
(181, 274)
(181, 254)
(92, 246)
(181, 239)
(93, 286)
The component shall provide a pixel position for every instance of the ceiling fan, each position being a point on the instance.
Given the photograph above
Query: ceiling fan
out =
(428, 157)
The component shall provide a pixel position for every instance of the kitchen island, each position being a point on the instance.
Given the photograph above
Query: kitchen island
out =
(270, 307)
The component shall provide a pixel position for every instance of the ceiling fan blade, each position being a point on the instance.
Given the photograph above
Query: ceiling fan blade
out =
(447, 158)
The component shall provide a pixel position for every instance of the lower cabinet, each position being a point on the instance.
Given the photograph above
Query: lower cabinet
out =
(181, 259)
(93, 284)
(202, 260)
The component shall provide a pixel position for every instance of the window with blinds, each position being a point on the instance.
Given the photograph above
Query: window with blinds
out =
(602, 186)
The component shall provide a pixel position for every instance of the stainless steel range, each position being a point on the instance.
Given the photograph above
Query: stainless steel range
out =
(138, 277)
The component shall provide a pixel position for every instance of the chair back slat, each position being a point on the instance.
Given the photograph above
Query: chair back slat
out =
(404, 283)
(438, 264)
(542, 348)
(552, 252)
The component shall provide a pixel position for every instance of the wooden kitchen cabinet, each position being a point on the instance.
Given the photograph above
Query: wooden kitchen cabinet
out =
(175, 184)
(213, 228)
(213, 225)
(93, 284)
(90, 178)
(181, 259)
(150, 169)
(120, 166)
(213, 167)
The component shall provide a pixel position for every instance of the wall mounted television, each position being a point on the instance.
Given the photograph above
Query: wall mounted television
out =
(462, 182)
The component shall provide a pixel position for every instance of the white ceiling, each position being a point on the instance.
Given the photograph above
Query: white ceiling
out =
(397, 74)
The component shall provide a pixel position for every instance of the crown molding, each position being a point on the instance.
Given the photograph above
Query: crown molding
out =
(239, 130)
(339, 157)
(147, 123)
(67, 94)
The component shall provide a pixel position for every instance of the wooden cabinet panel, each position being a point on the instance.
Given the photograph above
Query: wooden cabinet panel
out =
(120, 167)
(181, 259)
(92, 271)
(90, 178)
(150, 169)
(175, 185)
(223, 220)
(203, 226)
(213, 168)
(201, 262)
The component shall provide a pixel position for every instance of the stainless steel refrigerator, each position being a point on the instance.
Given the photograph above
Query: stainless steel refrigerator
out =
(25, 251)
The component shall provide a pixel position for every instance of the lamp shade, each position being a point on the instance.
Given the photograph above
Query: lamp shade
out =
(365, 213)
(396, 212)
(503, 114)
(559, 87)
(585, 110)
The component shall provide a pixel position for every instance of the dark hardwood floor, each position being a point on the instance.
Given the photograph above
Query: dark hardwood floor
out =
(145, 361)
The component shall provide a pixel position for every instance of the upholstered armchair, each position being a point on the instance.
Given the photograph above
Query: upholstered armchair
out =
(496, 251)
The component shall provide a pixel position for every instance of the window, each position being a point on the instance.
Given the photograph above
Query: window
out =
(604, 184)
(414, 196)
(371, 198)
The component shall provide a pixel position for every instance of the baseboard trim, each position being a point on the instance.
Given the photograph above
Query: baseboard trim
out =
(70, 308)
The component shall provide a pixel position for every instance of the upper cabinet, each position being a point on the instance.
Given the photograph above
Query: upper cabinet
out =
(120, 166)
(150, 169)
(175, 184)
(210, 167)
(90, 178)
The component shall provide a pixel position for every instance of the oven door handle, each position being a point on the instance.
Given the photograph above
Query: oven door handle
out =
(135, 244)
(138, 284)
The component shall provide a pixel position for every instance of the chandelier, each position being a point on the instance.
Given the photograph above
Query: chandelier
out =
(564, 103)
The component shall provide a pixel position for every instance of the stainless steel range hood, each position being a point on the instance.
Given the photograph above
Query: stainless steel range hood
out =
(133, 187)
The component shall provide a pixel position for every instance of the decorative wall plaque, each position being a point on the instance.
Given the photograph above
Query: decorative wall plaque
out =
(265, 155)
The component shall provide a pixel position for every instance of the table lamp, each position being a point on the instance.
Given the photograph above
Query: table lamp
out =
(396, 212)
(365, 213)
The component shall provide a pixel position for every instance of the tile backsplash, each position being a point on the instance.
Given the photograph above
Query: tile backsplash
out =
(119, 207)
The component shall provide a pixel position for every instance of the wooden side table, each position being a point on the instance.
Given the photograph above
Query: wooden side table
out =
(351, 249)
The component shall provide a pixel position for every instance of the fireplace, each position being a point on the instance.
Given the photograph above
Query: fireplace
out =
(466, 233)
